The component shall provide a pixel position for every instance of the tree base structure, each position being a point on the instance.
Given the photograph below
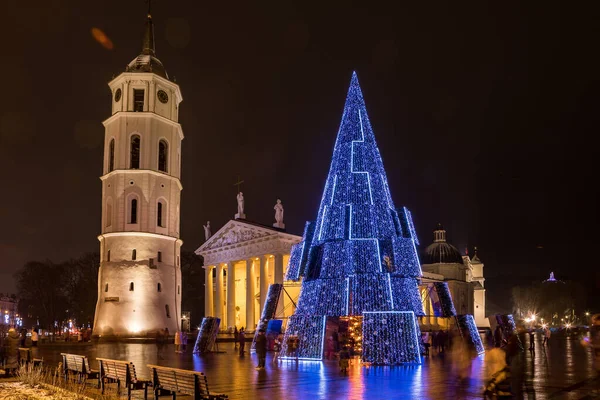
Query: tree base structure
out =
(207, 336)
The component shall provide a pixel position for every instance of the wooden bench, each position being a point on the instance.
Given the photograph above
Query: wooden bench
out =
(26, 357)
(180, 381)
(123, 374)
(79, 365)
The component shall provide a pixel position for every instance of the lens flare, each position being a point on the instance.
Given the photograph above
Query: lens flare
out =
(101, 38)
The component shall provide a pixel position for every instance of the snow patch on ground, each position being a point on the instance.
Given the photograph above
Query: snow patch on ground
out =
(21, 391)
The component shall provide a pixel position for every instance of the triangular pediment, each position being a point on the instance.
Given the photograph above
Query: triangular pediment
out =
(233, 233)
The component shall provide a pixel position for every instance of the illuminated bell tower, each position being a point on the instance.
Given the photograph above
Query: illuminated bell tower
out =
(139, 281)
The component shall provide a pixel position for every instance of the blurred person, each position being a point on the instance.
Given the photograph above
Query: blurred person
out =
(514, 360)
(425, 342)
(547, 334)
(531, 339)
(34, 337)
(329, 347)
(177, 342)
(184, 341)
(242, 340)
(497, 375)
(593, 342)
(344, 359)
(434, 340)
(11, 352)
(161, 341)
(277, 347)
(461, 356)
(498, 336)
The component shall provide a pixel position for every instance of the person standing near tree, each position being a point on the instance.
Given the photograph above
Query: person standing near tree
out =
(261, 349)
(242, 340)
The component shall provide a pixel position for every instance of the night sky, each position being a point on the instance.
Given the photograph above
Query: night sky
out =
(484, 115)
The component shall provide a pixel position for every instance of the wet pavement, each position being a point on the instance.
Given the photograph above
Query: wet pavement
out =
(563, 370)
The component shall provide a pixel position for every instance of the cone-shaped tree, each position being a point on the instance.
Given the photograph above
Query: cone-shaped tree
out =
(359, 255)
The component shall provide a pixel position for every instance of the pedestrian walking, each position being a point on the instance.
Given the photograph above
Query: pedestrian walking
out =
(531, 339)
(235, 337)
(242, 340)
(425, 343)
(261, 349)
(547, 335)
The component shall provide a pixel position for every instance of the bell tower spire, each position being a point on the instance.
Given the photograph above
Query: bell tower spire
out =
(148, 43)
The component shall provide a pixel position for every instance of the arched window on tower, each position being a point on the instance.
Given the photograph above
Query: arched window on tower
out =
(160, 209)
(111, 155)
(159, 287)
(108, 221)
(131, 286)
(134, 156)
(163, 147)
(133, 211)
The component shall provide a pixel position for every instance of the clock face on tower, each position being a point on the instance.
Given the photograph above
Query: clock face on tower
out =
(117, 95)
(162, 96)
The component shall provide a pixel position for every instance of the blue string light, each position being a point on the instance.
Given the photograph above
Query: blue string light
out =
(359, 257)
(390, 338)
(469, 331)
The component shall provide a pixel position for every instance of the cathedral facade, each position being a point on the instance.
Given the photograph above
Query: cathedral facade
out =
(442, 262)
(139, 280)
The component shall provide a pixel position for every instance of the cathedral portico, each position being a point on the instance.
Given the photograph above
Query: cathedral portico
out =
(246, 258)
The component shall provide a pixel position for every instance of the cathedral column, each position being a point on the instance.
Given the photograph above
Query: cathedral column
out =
(230, 294)
(250, 321)
(219, 293)
(264, 281)
(208, 291)
(278, 278)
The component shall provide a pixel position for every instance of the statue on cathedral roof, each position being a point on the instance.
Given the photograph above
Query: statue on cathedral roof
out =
(279, 215)
(240, 202)
(207, 232)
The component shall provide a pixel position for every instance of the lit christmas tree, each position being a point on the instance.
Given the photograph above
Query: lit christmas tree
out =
(358, 259)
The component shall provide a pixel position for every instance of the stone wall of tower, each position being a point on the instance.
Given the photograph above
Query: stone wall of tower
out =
(130, 300)
(139, 281)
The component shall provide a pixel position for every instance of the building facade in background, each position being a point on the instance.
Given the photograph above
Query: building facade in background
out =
(442, 262)
(241, 260)
(139, 281)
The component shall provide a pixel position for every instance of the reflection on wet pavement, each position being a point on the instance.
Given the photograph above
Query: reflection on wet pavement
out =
(563, 370)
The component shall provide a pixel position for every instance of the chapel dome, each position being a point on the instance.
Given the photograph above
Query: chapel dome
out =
(440, 251)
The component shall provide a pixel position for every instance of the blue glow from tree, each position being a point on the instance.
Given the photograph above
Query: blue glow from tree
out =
(359, 256)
